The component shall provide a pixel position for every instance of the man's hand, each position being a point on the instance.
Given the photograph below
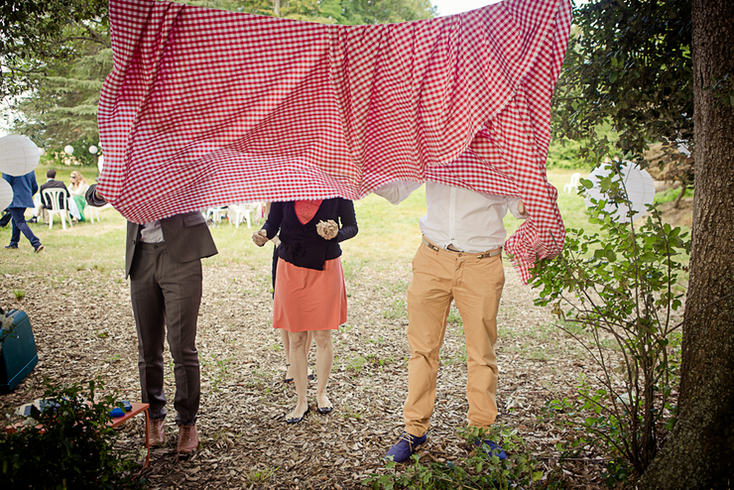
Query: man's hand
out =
(521, 209)
(327, 229)
(260, 237)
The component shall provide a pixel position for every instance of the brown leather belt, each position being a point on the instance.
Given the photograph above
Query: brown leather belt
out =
(480, 255)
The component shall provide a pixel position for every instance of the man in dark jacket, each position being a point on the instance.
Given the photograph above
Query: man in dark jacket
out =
(23, 189)
(51, 183)
(163, 261)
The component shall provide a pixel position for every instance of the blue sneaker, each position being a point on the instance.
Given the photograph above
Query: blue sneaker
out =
(491, 448)
(405, 447)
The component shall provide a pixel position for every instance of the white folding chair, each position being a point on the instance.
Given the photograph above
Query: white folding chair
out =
(92, 212)
(235, 214)
(573, 185)
(240, 212)
(216, 214)
(55, 197)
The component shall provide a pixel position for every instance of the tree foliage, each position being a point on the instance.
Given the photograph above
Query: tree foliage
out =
(63, 110)
(37, 34)
(68, 443)
(629, 64)
(356, 12)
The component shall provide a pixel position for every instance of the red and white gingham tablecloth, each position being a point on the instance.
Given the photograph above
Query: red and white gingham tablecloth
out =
(207, 107)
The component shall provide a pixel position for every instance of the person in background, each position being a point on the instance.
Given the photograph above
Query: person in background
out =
(459, 260)
(23, 189)
(78, 188)
(51, 183)
(310, 294)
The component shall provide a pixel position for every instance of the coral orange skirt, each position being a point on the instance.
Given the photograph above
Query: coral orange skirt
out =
(307, 299)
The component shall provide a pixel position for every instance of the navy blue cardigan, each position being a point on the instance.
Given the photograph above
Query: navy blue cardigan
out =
(300, 244)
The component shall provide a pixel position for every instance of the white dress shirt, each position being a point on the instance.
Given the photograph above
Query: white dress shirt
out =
(151, 232)
(468, 221)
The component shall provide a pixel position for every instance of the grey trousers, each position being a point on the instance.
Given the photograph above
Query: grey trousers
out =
(167, 295)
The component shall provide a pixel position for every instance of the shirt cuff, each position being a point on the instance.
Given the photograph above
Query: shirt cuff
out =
(396, 192)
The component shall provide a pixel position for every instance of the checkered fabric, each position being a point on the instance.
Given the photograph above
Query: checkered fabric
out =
(207, 107)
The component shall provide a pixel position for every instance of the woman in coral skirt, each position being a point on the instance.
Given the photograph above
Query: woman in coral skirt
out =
(310, 294)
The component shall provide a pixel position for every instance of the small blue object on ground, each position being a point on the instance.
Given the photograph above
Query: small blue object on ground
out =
(405, 447)
(120, 412)
(491, 448)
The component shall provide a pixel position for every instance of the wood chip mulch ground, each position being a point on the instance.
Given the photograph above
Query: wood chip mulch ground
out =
(84, 328)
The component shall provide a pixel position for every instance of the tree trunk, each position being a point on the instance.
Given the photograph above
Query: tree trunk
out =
(700, 453)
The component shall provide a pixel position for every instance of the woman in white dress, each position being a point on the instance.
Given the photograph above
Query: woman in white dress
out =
(78, 187)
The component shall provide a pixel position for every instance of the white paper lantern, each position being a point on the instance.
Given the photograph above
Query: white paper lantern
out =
(640, 190)
(18, 155)
(68, 149)
(93, 150)
(6, 194)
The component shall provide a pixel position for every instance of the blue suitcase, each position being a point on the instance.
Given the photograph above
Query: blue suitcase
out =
(18, 356)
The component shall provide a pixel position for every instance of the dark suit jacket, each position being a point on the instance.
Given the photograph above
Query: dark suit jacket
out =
(186, 235)
(23, 189)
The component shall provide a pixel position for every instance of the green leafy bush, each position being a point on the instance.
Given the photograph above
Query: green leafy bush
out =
(615, 292)
(67, 444)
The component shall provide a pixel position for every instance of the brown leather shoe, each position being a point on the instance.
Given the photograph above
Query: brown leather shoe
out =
(188, 439)
(157, 432)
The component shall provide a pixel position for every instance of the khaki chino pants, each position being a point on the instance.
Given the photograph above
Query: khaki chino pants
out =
(475, 283)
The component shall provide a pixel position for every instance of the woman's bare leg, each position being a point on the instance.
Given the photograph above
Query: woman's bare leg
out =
(299, 368)
(287, 348)
(324, 362)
